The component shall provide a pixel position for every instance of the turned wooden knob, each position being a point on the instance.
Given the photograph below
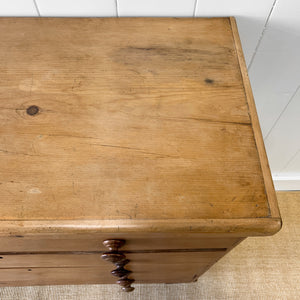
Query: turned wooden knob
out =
(122, 263)
(113, 245)
(126, 284)
(120, 272)
(113, 257)
(119, 259)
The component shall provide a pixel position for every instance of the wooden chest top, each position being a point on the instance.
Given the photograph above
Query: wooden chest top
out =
(130, 124)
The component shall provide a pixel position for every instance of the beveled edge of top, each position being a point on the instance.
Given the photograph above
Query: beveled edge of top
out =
(232, 227)
(268, 182)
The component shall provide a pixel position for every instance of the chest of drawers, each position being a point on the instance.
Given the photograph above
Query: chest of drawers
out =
(131, 142)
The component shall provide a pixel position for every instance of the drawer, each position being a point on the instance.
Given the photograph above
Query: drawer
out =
(92, 275)
(94, 259)
(93, 242)
(42, 269)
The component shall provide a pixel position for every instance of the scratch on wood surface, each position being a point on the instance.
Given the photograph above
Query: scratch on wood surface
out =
(12, 108)
(34, 191)
(112, 146)
(171, 51)
(135, 149)
(201, 120)
(135, 210)
(73, 136)
(123, 213)
(18, 153)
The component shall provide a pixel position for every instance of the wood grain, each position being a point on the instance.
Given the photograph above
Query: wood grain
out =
(149, 126)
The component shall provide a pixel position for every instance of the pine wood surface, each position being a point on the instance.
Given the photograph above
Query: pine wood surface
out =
(105, 130)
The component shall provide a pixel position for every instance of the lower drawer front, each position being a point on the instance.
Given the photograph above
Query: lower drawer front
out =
(47, 269)
(91, 275)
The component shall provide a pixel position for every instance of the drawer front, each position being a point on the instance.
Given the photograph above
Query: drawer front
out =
(94, 259)
(93, 242)
(46, 269)
(92, 275)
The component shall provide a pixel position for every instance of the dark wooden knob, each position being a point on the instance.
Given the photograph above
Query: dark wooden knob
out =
(113, 245)
(127, 289)
(120, 272)
(125, 283)
(113, 257)
(122, 263)
(119, 259)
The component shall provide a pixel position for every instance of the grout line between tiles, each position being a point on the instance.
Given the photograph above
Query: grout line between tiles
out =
(284, 109)
(195, 8)
(117, 8)
(262, 34)
(36, 7)
(289, 161)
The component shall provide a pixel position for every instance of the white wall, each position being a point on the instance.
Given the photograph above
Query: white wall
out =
(270, 34)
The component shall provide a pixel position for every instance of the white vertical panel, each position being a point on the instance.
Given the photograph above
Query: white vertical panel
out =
(284, 140)
(24, 8)
(275, 71)
(178, 8)
(79, 8)
(251, 17)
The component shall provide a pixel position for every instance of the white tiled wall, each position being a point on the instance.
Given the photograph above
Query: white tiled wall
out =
(275, 76)
(159, 8)
(270, 34)
(77, 8)
(24, 8)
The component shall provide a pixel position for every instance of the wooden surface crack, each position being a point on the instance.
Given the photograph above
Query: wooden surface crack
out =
(136, 149)
(112, 146)
(203, 120)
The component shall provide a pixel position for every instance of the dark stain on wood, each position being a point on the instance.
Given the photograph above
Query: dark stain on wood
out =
(209, 81)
